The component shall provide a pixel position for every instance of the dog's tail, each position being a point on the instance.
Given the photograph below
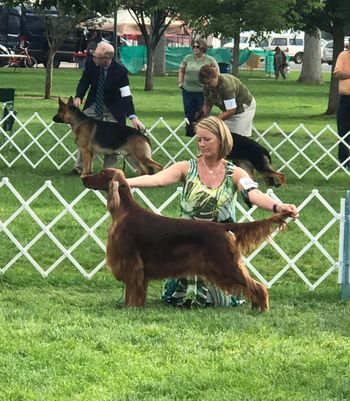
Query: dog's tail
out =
(249, 235)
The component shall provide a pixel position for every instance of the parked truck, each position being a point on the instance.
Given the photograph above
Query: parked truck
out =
(19, 25)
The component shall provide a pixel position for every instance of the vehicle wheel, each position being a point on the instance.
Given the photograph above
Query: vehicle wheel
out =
(56, 63)
(30, 62)
(329, 63)
(298, 58)
(3, 63)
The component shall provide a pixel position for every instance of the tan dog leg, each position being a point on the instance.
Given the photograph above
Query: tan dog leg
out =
(87, 162)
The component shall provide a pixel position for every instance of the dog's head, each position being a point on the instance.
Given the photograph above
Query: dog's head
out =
(198, 116)
(63, 114)
(109, 180)
(104, 179)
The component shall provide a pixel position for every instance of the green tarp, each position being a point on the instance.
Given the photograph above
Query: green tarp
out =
(135, 57)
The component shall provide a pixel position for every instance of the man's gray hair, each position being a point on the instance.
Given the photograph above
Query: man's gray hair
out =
(106, 49)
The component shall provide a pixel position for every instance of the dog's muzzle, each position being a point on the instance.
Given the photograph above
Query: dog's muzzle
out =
(57, 119)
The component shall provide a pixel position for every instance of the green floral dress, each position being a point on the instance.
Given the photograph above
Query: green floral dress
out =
(200, 202)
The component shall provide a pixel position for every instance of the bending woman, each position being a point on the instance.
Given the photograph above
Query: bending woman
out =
(228, 93)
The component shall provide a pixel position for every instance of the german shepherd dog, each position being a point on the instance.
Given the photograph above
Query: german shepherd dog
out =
(250, 155)
(97, 136)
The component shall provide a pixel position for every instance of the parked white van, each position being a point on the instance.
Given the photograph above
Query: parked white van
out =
(292, 43)
(246, 41)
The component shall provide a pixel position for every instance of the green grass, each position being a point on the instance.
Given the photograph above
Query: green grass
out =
(68, 338)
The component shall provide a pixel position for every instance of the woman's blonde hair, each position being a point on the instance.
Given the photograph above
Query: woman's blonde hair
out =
(217, 127)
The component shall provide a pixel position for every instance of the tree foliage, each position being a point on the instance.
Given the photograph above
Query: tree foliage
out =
(152, 17)
(229, 18)
(61, 16)
(330, 16)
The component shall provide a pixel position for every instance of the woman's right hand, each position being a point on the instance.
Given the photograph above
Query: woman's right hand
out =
(181, 86)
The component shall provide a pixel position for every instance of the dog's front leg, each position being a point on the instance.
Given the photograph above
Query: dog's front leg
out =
(87, 161)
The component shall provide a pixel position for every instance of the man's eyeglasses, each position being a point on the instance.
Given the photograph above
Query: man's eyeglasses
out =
(195, 47)
(100, 58)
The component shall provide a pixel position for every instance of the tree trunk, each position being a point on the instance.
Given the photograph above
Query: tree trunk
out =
(311, 70)
(49, 72)
(159, 57)
(235, 54)
(149, 72)
(338, 46)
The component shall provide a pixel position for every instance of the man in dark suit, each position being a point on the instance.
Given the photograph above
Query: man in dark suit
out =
(109, 96)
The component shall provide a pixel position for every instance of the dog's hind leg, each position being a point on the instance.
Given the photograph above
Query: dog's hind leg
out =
(228, 272)
(141, 150)
(135, 164)
(270, 174)
(247, 166)
(152, 165)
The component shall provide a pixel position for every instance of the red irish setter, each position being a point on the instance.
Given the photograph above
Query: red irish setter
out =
(143, 245)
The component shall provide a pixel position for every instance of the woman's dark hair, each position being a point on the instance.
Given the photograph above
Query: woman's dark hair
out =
(277, 48)
(201, 43)
(207, 72)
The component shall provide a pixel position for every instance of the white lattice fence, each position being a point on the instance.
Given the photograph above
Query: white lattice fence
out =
(47, 232)
(297, 153)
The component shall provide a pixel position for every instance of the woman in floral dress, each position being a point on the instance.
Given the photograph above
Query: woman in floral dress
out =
(210, 184)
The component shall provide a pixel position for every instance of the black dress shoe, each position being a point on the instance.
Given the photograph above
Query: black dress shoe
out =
(73, 172)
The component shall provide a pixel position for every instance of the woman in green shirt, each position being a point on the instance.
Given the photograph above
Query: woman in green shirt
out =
(209, 186)
(192, 90)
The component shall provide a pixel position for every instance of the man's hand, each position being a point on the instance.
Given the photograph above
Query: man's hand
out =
(137, 123)
(77, 102)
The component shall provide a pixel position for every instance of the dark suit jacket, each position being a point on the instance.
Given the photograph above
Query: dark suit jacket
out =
(117, 77)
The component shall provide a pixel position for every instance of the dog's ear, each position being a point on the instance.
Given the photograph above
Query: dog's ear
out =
(61, 102)
(113, 201)
(120, 177)
(70, 101)
(108, 173)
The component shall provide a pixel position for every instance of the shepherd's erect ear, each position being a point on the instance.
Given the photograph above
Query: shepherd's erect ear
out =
(61, 102)
(70, 101)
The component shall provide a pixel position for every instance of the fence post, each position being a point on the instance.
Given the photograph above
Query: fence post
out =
(344, 273)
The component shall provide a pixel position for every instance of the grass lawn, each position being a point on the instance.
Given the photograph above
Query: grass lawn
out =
(68, 338)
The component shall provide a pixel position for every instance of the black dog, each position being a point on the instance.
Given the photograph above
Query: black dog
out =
(250, 155)
(97, 136)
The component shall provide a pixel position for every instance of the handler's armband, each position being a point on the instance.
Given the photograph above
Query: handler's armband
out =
(125, 91)
(230, 104)
(248, 185)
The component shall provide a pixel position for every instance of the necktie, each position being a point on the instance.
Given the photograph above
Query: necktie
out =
(100, 94)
